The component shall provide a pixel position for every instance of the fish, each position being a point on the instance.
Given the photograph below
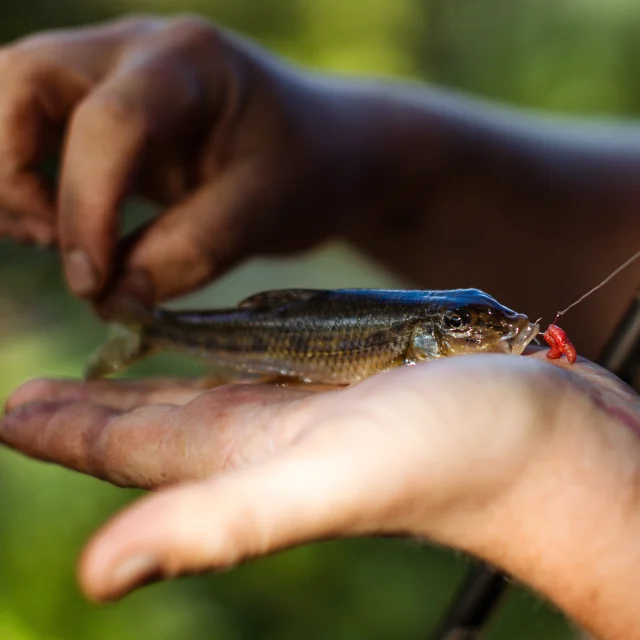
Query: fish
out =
(323, 336)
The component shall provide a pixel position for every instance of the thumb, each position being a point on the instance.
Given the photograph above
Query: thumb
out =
(296, 498)
(191, 243)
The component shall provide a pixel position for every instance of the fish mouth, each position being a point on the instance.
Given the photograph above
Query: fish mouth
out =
(519, 339)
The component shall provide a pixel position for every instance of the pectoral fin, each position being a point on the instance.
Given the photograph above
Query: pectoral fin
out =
(423, 346)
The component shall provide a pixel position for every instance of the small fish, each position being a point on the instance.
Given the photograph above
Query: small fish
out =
(320, 336)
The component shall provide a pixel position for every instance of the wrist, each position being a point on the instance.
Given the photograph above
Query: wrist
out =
(386, 148)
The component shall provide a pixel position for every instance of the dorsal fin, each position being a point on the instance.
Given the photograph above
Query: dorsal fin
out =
(278, 297)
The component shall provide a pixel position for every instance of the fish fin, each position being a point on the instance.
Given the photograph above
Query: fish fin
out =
(278, 297)
(128, 320)
(123, 349)
(422, 346)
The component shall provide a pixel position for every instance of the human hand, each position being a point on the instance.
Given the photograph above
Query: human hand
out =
(533, 467)
(229, 140)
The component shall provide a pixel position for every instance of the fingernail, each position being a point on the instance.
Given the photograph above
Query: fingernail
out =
(81, 274)
(134, 571)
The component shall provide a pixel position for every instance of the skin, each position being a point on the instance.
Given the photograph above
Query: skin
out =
(233, 144)
(534, 468)
(525, 463)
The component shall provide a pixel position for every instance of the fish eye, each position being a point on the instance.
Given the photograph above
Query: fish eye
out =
(457, 319)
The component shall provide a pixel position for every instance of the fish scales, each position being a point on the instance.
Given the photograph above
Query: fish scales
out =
(332, 336)
(329, 336)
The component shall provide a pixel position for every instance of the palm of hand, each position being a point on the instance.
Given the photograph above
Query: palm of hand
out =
(416, 451)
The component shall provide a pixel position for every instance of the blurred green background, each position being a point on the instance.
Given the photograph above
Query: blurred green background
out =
(570, 56)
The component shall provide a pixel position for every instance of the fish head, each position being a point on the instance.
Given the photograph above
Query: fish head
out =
(471, 321)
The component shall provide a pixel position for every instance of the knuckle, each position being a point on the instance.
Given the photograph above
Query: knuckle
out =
(190, 25)
(136, 22)
(122, 440)
(99, 444)
(106, 109)
(20, 66)
(66, 450)
(194, 263)
(25, 79)
(192, 30)
(198, 257)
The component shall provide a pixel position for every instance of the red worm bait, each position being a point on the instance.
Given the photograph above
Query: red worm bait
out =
(559, 344)
(556, 338)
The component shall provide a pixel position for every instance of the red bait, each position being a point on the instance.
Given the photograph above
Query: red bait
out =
(559, 344)
(556, 338)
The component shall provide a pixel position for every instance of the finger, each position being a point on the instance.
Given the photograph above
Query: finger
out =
(295, 498)
(26, 193)
(112, 127)
(124, 449)
(22, 145)
(26, 230)
(123, 395)
(154, 445)
(44, 76)
(198, 239)
(62, 432)
(35, 100)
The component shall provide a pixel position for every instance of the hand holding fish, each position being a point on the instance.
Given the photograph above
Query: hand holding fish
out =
(224, 136)
(530, 466)
(247, 154)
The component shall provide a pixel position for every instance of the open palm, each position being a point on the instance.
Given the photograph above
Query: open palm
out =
(443, 451)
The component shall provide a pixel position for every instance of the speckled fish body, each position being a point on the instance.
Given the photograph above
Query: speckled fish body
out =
(325, 336)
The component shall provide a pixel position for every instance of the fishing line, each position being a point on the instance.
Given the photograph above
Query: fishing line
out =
(613, 274)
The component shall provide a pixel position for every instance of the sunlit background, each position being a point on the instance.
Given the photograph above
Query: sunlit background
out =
(570, 56)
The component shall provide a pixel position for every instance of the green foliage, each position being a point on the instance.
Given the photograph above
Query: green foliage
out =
(575, 57)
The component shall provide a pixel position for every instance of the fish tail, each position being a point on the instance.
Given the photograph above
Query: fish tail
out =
(129, 343)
